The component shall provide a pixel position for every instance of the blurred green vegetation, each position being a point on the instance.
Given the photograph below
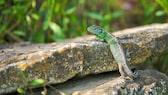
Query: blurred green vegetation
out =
(45, 21)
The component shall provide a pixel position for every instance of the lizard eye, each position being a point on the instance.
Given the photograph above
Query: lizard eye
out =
(100, 30)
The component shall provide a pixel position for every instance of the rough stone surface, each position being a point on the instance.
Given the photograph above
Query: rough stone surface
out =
(150, 82)
(58, 62)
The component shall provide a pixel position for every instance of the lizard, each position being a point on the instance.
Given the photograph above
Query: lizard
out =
(115, 48)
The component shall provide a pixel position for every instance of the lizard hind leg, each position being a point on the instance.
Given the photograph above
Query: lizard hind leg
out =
(122, 72)
(125, 71)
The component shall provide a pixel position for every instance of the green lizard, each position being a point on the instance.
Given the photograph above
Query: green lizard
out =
(115, 48)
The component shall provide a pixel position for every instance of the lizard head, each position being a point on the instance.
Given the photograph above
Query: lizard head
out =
(98, 31)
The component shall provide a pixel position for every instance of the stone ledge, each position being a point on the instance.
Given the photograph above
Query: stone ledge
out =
(150, 82)
(58, 62)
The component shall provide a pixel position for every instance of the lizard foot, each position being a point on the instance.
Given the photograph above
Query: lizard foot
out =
(128, 78)
(126, 72)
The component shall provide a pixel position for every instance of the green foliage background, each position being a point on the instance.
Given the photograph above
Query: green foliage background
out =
(55, 20)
